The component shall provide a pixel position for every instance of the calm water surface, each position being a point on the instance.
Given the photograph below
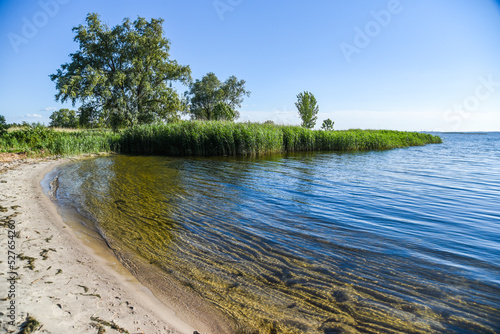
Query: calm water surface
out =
(405, 240)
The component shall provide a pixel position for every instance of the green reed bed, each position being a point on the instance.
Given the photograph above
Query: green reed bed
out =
(354, 140)
(225, 138)
(205, 139)
(42, 141)
(202, 139)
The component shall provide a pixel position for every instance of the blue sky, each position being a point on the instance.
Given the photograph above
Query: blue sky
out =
(393, 64)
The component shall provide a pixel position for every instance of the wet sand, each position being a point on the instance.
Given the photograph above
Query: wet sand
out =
(68, 280)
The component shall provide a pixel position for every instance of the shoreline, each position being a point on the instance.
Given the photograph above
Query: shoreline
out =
(75, 283)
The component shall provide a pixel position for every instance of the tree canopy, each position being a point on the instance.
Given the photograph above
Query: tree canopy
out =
(211, 99)
(64, 118)
(308, 109)
(122, 75)
(327, 125)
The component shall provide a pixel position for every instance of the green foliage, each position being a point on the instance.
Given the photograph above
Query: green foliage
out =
(64, 118)
(88, 117)
(358, 140)
(327, 125)
(211, 99)
(202, 138)
(3, 125)
(122, 75)
(223, 112)
(308, 109)
(39, 140)
(226, 138)
(197, 138)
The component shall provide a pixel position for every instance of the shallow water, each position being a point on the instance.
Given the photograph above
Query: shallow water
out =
(406, 240)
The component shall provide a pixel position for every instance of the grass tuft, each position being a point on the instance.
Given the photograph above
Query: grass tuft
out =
(111, 324)
(31, 261)
(29, 326)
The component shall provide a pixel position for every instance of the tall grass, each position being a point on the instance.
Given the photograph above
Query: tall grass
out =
(42, 141)
(226, 138)
(202, 138)
(205, 139)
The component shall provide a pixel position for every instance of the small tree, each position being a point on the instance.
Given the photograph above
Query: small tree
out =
(327, 125)
(211, 99)
(308, 109)
(64, 118)
(3, 125)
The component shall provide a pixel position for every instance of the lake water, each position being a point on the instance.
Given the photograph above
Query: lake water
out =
(406, 240)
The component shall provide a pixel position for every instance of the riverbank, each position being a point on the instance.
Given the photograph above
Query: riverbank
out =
(62, 277)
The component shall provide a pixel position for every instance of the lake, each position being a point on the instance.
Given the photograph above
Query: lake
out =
(405, 240)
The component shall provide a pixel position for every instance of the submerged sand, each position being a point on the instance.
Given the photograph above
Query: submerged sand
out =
(67, 280)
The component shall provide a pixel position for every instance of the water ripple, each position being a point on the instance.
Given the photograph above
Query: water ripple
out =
(405, 240)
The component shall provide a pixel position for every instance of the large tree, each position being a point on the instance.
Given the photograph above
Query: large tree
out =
(211, 99)
(308, 109)
(122, 74)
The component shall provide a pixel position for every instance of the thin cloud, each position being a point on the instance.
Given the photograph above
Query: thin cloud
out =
(49, 109)
(33, 115)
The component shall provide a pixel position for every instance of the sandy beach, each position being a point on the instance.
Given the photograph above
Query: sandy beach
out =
(63, 278)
